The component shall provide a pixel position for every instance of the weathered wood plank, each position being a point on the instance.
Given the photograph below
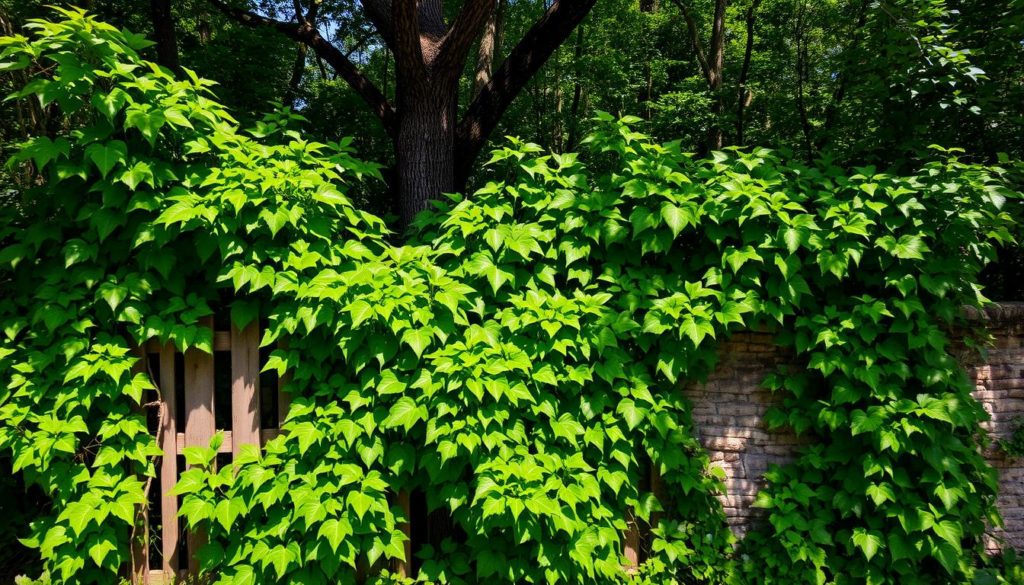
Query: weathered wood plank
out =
(225, 446)
(200, 424)
(245, 391)
(403, 568)
(658, 489)
(222, 341)
(284, 399)
(169, 462)
(159, 577)
(632, 542)
(268, 434)
(140, 530)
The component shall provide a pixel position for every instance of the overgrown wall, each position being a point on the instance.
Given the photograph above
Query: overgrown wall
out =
(728, 413)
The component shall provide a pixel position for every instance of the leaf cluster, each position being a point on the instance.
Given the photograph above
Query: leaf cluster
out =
(518, 362)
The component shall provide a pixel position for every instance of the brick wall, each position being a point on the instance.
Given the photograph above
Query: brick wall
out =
(728, 411)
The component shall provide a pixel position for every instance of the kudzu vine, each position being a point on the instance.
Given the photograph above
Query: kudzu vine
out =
(518, 361)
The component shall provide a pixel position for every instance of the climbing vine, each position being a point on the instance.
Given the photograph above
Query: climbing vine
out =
(518, 362)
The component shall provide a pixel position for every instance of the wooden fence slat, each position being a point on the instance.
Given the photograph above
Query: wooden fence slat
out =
(200, 424)
(658, 489)
(222, 340)
(140, 530)
(284, 399)
(632, 545)
(169, 463)
(245, 392)
(403, 568)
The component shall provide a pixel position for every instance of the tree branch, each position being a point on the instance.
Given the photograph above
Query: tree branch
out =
(744, 95)
(405, 28)
(459, 39)
(698, 47)
(308, 34)
(717, 59)
(536, 46)
(379, 13)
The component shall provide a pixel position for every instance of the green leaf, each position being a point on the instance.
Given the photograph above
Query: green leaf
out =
(868, 542)
(336, 531)
(78, 515)
(949, 531)
(418, 339)
(359, 502)
(100, 549)
(306, 434)
(390, 384)
(675, 217)
(138, 174)
(630, 413)
(910, 247)
(107, 156)
(404, 413)
(360, 311)
(244, 312)
(148, 122)
(42, 150)
(793, 239)
(280, 557)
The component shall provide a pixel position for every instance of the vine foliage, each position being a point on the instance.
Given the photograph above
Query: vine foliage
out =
(518, 361)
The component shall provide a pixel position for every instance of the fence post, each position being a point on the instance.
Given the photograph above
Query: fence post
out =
(200, 424)
(632, 545)
(403, 568)
(140, 523)
(284, 400)
(169, 463)
(245, 394)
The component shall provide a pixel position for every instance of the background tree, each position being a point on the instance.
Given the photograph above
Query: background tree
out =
(858, 81)
(433, 151)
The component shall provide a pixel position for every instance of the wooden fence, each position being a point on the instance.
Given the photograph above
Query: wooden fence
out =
(203, 394)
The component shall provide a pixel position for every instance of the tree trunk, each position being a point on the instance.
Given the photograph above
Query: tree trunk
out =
(647, 91)
(744, 97)
(801, 75)
(711, 65)
(298, 69)
(716, 64)
(577, 92)
(557, 131)
(434, 151)
(164, 34)
(425, 146)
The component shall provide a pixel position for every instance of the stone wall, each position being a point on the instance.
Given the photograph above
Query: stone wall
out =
(728, 410)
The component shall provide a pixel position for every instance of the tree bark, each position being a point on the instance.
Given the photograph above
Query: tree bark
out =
(577, 92)
(711, 65)
(425, 148)
(490, 45)
(557, 130)
(533, 50)
(434, 152)
(164, 34)
(647, 92)
(298, 69)
(716, 64)
(745, 96)
(801, 74)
